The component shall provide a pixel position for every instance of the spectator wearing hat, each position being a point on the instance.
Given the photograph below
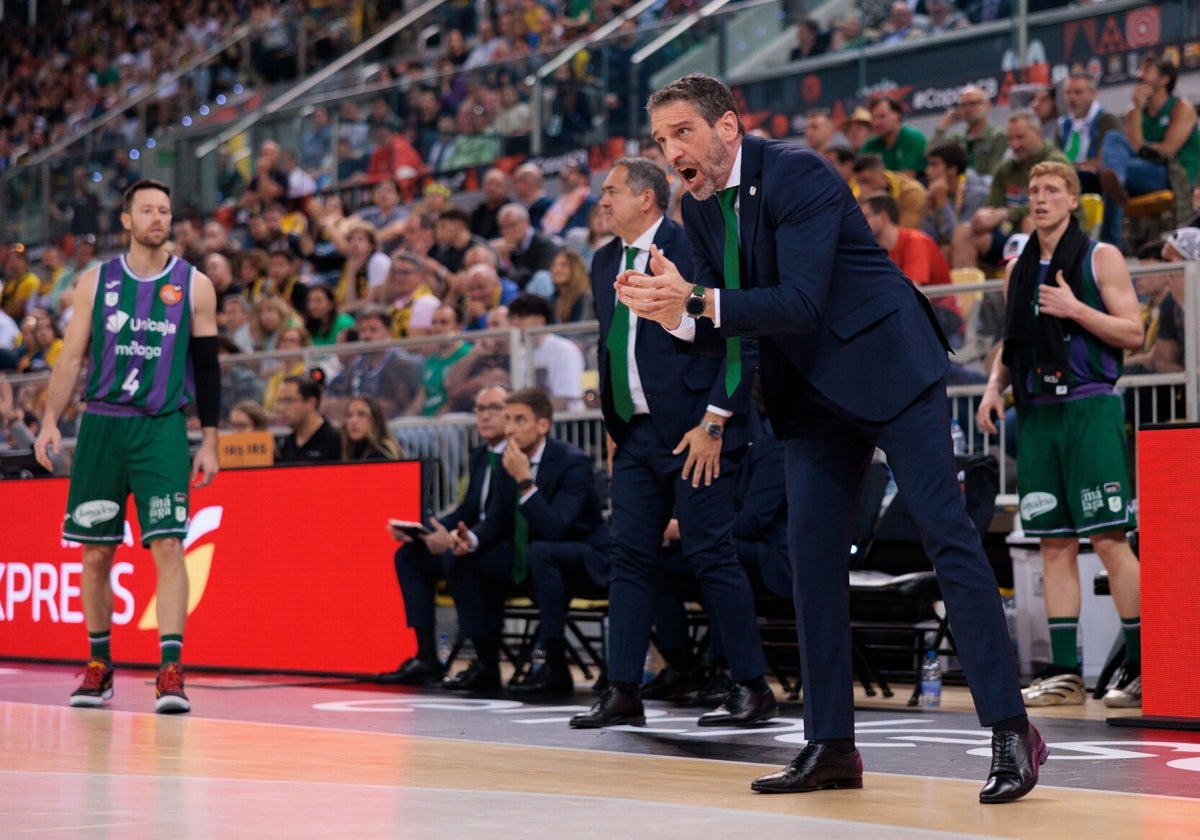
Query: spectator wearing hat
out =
(856, 128)
(1183, 245)
(573, 206)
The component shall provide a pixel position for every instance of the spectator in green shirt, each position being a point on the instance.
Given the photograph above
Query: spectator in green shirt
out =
(901, 146)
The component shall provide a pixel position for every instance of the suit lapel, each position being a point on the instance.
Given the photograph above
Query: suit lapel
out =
(750, 199)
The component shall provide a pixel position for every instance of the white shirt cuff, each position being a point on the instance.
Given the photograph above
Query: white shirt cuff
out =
(686, 331)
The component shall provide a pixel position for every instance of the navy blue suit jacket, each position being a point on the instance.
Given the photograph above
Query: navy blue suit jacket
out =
(565, 508)
(828, 305)
(679, 386)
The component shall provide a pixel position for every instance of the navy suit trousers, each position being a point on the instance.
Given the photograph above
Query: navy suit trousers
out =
(417, 572)
(646, 491)
(827, 455)
(479, 582)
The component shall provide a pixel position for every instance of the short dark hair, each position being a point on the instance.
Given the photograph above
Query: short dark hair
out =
(1164, 66)
(143, 184)
(952, 154)
(375, 311)
(455, 214)
(537, 400)
(844, 154)
(529, 304)
(308, 386)
(884, 203)
(868, 162)
(892, 102)
(644, 174)
(711, 97)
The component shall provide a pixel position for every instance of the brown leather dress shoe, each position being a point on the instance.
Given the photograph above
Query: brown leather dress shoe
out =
(742, 707)
(1015, 762)
(612, 709)
(817, 767)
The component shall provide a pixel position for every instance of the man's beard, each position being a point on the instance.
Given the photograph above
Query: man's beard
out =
(716, 160)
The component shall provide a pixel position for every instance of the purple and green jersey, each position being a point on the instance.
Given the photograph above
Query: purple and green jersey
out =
(141, 326)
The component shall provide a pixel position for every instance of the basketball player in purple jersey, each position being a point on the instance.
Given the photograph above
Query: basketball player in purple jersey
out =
(145, 324)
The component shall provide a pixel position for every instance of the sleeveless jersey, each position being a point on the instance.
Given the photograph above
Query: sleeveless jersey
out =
(1154, 129)
(141, 326)
(1094, 365)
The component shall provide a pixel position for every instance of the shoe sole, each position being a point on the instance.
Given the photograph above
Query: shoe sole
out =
(171, 705)
(1123, 702)
(1052, 700)
(88, 701)
(632, 721)
(836, 784)
(1043, 754)
(742, 724)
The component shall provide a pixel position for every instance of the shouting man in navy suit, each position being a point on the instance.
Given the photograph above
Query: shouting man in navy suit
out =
(851, 358)
(680, 426)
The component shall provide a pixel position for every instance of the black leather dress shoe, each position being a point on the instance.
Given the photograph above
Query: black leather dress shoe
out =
(476, 677)
(817, 767)
(742, 707)
(670, 684)
(1015, 762)
(412, 671)
(612, 709)
(548, 681)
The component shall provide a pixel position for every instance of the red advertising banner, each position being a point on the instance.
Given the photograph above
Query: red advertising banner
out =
(290, 569)
(1168, 487)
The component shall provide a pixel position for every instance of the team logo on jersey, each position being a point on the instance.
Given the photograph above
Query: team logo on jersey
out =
(170, 295)
(111, 298)
(114, 322)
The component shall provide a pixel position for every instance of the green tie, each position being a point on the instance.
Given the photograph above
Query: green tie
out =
(1073, 143)
(520, 546)
(617, 343)
(493, 460)
(733, 346)
(520, 543)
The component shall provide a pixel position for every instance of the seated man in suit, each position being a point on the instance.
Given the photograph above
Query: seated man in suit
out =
(546, 510)
(420, 563)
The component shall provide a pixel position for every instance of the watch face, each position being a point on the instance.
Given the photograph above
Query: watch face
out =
(694, 306)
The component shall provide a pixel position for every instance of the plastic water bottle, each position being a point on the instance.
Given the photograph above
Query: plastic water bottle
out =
(537, 660)
(604, 636)
(931, 682)
(648, 665)
(444, 649)
(958, 437)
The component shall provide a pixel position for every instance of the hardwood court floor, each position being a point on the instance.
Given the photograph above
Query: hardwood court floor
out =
(287, 757)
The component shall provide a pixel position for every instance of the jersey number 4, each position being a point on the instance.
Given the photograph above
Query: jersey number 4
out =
(131, 383)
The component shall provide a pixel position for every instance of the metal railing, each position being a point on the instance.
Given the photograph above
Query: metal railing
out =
(448, 438)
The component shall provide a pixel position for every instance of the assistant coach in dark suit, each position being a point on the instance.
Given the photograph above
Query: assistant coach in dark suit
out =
(851, 359)
(680, 430)
(546, 504)
(420, 562)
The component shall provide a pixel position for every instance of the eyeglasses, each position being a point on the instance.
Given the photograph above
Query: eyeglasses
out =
(489, 408)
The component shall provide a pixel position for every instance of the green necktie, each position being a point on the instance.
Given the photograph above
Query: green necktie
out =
(733, 346)
(493, 460)
(521, 540)
(1073, 143)
(617, 343)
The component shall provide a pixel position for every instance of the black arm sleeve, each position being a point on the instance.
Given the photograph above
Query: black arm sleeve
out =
(207, 371)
